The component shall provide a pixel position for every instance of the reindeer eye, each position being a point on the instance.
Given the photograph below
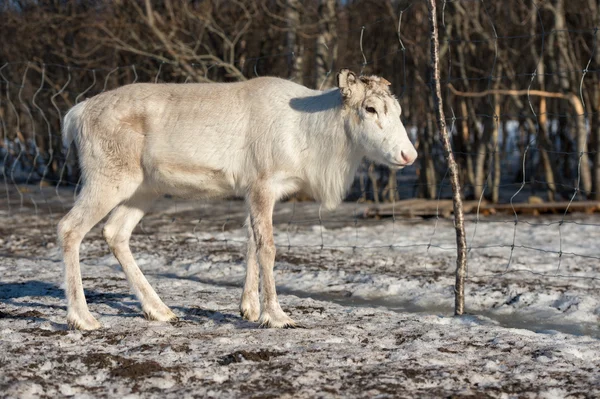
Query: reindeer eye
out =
(371, 110)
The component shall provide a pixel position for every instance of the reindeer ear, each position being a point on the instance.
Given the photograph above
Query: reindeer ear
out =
(346, 81)
(384, 81)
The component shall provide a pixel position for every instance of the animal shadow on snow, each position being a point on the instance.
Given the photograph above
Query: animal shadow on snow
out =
(40, 289)
(199, 315)
(125, 304)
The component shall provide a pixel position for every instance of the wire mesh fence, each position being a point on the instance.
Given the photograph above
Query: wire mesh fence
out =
(521, 89)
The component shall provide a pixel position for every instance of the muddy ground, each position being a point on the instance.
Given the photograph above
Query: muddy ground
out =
(374, 296)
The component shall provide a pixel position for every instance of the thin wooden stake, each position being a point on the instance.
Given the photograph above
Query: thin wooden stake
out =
(459, 218)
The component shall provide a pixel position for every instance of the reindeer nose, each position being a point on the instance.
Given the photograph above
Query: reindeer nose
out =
(408, 157)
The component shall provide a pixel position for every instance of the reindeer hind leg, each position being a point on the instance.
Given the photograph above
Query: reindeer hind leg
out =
(117, 233)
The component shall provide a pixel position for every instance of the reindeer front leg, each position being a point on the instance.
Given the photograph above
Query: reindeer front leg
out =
(250, 303)
(261, 202)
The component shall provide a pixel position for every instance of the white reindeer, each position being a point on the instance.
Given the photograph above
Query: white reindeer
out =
(262, 139)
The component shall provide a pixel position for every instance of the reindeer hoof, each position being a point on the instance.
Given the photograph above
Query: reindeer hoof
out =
(249, 313)
(288, 325)
(250, 307)
(277, 321)
(162, 314)
(85, 323)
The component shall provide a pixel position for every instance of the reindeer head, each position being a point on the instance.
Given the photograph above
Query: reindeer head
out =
(373, 119)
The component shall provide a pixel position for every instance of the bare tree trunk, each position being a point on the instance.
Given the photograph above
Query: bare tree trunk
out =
(326, 48)
(363, 189)
(565, 54)
(292, 15)
(595, 147)
(496, 153)
(562, 132)
(428, 180)
(391, 188)
(481, 151)
(566, 57)
(374, 183)
(545, 146)
(584, 174)
(459, 223)
(594, 6)
(470, 175)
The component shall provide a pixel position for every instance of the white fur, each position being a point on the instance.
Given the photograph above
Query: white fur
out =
(262, 139)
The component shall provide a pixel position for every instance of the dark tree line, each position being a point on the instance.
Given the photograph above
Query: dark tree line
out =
(521, 78)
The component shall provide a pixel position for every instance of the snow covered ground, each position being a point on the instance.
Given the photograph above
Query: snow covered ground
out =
(376, 297)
